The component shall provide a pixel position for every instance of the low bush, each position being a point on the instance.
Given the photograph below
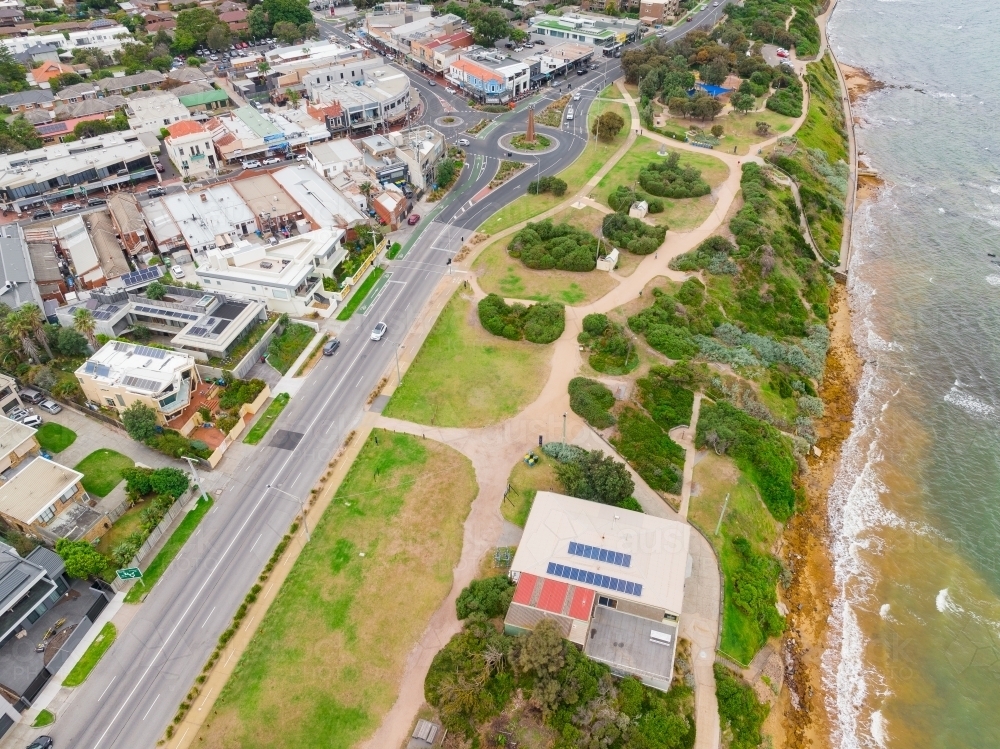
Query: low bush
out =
(539, 323)
(650, 451)
(593, 401)
(596, 477)
(633, 235)
(712, 255)
(664, 395)
(553, 185)
(546, 246)
(786, 101)
(754, 579)
(611, 351)
(741, 714)
(760, 451)
(489, 597)
(668, 179)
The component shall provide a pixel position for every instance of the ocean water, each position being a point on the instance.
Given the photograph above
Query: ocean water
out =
(914, 655)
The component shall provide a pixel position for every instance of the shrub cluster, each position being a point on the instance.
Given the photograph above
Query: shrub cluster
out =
(623, 197)
(489, 597)
(754, 580)
(665, 395)
(740, 712)
(650, 451)
(712, 255)
(631, 234)
(668, 179)
(546, 246)
(141, 482)
(591, 400)
(553, 185)
(673, 322)
(787, 100)
(539, 323)
(591, 475)
(611, 351)
(760, 450)
(239, 392)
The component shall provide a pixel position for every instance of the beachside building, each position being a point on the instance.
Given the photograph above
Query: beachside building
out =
(382, 97)
(126, 215)
(490, 76)
(596, 30)
(94, 251)
(612, 580)
(322, 203)
(30, 585)
(151, 111)
(334, 157)
(190, 148)
(656, 11)
(202, 220)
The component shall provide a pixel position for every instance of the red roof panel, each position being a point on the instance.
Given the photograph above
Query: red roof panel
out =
(583, 603)
(525, 587)
(553, 596)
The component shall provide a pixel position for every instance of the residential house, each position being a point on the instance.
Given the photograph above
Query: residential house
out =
(9, 397)
(126, 215)
(203, 101)
(107, 37)
(17, 276)
(30, 586)
(49, 70)
(120, 374)
(22, 101)
(36, 54)
(236, 20)
(391, 207)
(151, 111)
(95, 254)
(57, 132)
(11, 16)
(657, 11)
(189, 148)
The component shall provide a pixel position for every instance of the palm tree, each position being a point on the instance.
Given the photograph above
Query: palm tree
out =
(19, 327)
(37, 321)
(84, 323)
(366, 190)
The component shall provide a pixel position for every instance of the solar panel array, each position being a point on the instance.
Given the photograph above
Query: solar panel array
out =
(152, 353)
(141, 276)
(88, 368)
(593, 578)
(102, 314)
(601, 555)
(138, 382)
(55, 127)
(166, 313)
(102, 370)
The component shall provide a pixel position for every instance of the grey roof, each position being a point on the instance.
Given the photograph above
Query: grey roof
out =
(187, 74)
(77, 89)
(33, 96)
(48, 559)
(145, 78)
(15, 268)
(38, 116)
(68, 110)
(15, 574)
(194, 87)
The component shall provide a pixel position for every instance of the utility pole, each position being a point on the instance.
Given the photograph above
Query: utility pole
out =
(399, 377)
(718, 525)
(564, 427)
(302, 504)
(194, 471)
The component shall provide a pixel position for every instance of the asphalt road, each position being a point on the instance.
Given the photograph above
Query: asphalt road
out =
(134, 691)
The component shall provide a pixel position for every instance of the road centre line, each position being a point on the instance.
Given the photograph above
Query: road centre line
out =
(107, 687)
(215, 607)
(151, 707)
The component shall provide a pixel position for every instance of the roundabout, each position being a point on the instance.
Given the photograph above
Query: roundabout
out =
(449, 121)
(518, 143)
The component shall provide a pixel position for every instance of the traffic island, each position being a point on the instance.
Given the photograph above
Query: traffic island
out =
(519, 142)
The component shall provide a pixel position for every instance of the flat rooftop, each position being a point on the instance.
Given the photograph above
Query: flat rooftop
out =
(627, 643)
(144, 369)
(13, 434)
(33, 485)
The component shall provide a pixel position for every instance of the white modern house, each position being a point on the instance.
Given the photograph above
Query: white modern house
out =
(190, 148)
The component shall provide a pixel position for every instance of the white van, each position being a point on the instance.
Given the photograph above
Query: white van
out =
(569, 113)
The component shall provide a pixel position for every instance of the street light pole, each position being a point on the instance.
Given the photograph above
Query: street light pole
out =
(399, 377)
(302, 503)
(190, 462)
(564, 427)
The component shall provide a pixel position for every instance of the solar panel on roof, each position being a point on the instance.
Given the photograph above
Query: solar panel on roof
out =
(199, 331)
(594, 578)
(152, 353)
(600, 555)
(140, 382)
(141, 276)
(102, 314)
(119, 346)
(55, 127)
(102, 370)
(112, 308)
(88, 368)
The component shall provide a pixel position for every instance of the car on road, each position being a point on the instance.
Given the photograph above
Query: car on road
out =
(42, 742)
(540, 41)
(97, 201)
(251, 164)
(158, 166)
(715, 5)
(70, 207)
(431, 83)
(177, 271)
(529, 45)
(378, 331)
(690, 18)
(463, 141)
(330, 346)
(519, 49)
(41, 214)
(413, 219)
(272, 160)
(155, 192)
(213, 58)
(576, 96)
(50, 406)
(302, 157)
(582, 71)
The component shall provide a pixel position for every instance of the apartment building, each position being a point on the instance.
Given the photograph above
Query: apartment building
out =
(190, 148)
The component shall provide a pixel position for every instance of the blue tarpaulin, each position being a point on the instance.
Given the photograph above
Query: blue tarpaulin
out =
(711, 90)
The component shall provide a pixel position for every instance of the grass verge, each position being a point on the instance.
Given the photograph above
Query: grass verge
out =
(55, 437)
(360, 293)
(392, 533)
(102, 470)
(44, 718)
(173, 545)
(90, 658)
(466, 377)
(526, 482)
(285, 348)
(257, 432)
(313, 357)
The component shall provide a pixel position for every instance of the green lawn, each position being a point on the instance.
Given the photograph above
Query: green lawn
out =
(741, 129)
(594, 156)
(177, 539)
(527, 481)
(102, 470)
(55, 437)
(360, 293)
(499, 273)
(466, 377)
(679, 215)
(326, 663)
(611, 92)
(285, 348)
(746, 516)
(122, 528)
(45, 718)
(259, 429)
(93, 654)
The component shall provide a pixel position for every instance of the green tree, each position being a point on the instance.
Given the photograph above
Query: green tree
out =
(762, 128)
(260, 25)
(290, 11)
(135, 56)
(488, 25)
(61, 81)
(197, 22)
(20, 329)
(34, 318)
(743, 102)
(172, 481)
(489, 597)
(518, 36)
(607, 125)
(18, 135)
(219, 37)
(84, 323)
(286, 32)
(156, 291)
(13, 75)
(82, 560)
(308, 31)
(184, 43)
(293, 97)
(140, 421)
(70, 343)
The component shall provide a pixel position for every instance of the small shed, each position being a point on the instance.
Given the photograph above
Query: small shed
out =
(608, 262)
(639, 209)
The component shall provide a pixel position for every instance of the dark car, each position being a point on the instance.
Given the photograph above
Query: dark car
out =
(155, 192)
(42, 214)
(582, 71)
(330, 346)
(42, 742)
(97, 201)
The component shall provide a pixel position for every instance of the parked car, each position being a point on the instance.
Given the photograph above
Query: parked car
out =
(379, 331)
(155, 192)
(69, 207)
(272, 160)
(582, 71)
(31, 396)
(17, 414)
(413, 219)
(42, 742)
(251, 164)
(97, 201)
(302, 157)
(540, 41)
(463, 141)
(330, 346)
(158, 166)
(41, 214)
(177, 271)
(431, 83)
(50, 406)
(31, 420)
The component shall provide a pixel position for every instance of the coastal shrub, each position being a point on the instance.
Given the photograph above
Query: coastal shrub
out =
(664, 395)
(596, 477)
(611, 351)
(591, 400)
(741, 714)
(539, 323)
(674, 322)
(649, 450)
(711, 255)
(553, 185)
(760, 451)
(631, 234)
(786, 101)
(239, 392)
(563, 452)
(754, 580)
(666, 178)
(490, 597)
(545, 246)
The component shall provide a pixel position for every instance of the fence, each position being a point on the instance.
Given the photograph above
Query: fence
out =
(72, 641)
(117, 512)
(237, 430)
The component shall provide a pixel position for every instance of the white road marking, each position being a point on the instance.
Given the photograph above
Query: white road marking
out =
(107, 687)
(151, 707)
(203, 702)
(254, 545)
(211, 612)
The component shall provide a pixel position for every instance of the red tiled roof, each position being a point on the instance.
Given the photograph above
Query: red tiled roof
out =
(553, 596)
(583, 602)
(185, 127)
(525, 587)
(479, 71)
(235, 15)
(226, 139)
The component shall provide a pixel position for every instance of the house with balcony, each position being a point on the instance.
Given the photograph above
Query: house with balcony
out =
(120, 374)
(287, 277)
(190, 148)
(40, 497)
(30, 586)
(382, 97)
(490, 77)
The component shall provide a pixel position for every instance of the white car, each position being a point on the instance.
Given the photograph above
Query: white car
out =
(251, 164)
(51, 406)
(177, 271)
(302, 157)
(576, 97)
(272, 160)
(32, 421)
(519, 49)
(379, 331)
(463, 141)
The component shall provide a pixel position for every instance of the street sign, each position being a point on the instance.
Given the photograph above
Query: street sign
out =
(129, 573)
